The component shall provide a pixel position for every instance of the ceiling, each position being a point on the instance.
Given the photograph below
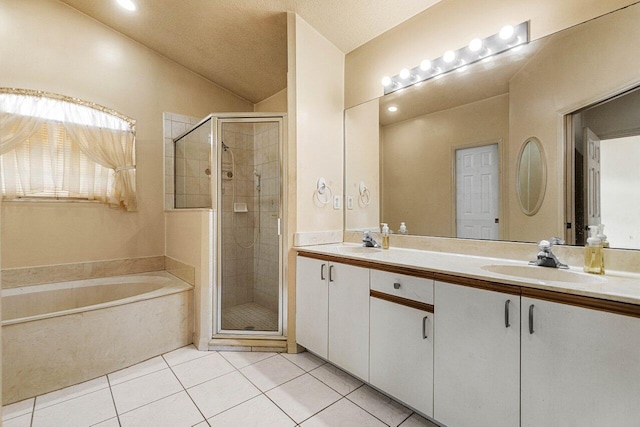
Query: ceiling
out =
(242, 44)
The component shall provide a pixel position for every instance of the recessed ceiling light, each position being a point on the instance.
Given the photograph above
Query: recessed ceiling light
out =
(127, 4)
(393, 108)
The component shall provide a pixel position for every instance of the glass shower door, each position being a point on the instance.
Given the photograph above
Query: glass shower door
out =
(249, 288)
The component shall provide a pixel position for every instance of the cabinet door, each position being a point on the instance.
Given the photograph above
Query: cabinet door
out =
(312, 305)
(477, 358)
(349, 319)
(580, 367)
(402, 353)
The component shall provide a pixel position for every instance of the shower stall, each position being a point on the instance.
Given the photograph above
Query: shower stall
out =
(232, 163)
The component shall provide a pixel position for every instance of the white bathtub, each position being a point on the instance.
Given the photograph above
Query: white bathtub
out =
(59, 334)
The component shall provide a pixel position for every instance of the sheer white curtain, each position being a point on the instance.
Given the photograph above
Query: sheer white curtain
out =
(63, 147)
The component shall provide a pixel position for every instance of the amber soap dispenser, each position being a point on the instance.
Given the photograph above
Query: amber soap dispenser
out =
(593, 253)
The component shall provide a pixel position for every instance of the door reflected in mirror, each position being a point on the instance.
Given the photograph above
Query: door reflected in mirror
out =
(532, 176)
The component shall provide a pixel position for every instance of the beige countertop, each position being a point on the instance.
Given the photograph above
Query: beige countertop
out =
(613, 286)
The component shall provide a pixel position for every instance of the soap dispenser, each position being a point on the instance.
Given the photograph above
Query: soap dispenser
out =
(593, 253)
(602, 236)
(403, 229)
(385, 236)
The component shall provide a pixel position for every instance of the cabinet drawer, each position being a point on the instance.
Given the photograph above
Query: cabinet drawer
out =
(413, 288)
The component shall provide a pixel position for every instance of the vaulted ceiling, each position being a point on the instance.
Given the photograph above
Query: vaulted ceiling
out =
(242, 44)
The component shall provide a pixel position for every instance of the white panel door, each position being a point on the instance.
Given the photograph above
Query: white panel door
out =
(349, 318)
(477, 192)
(312, 305)
(580, 367)
(592, 172)
(402, 353)
(476, 357)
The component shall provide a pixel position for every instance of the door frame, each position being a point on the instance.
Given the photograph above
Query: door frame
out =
(502, 211)
(217, 121)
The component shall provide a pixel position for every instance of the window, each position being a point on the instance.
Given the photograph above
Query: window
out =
(58, 147)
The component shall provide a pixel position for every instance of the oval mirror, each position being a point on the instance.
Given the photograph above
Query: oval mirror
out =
(532, 176)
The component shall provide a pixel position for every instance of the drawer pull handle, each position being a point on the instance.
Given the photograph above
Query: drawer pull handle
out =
(322, 268)
(331, 273)
(506, 313)
(396, 285)
(424, 328)
(531, 319)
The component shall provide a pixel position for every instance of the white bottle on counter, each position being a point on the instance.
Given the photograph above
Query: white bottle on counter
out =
(403, 229)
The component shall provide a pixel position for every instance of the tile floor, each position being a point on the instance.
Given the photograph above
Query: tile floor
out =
(187, 387)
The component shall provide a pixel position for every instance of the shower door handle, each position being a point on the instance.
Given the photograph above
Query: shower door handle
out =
(278, 226)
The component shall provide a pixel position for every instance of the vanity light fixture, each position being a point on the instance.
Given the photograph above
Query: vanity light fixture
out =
(127, 4)
(478, 49)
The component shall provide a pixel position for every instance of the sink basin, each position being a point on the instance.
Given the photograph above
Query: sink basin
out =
(360, 250)
(544, 274)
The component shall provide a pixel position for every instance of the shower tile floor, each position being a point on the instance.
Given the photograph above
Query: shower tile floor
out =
(187, 387)
(250, 316)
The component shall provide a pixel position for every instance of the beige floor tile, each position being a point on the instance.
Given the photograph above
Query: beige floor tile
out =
(202, 370)
(257, 412)
(305, 360)
(71, 392)
(85, 410)
(240, 359)
(416, 420)
(271, 372)
(222, 393)
(183, 354)
(17, 409)
(376, 403)
(135, 371)
(302, 397)
(21, 421)
(176, 410)
(111, 422)
(336, 378)
(144, 390)
(343, 413)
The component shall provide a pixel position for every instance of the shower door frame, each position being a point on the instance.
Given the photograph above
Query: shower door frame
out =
(217, 121)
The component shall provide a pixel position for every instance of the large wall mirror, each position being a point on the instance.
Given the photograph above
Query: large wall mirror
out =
(445, 159)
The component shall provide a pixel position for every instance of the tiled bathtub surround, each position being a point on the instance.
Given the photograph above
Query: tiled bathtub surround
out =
(188, 388)
(16, 277)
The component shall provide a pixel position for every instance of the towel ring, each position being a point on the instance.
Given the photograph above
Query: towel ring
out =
(365, 195)
(321, 189)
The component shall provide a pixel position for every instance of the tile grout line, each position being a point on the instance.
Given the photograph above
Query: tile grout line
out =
(374, 416)
(114, 401)
(186, 391)
(33, 412)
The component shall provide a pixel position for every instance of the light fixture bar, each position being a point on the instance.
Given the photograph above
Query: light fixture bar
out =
(479, 49)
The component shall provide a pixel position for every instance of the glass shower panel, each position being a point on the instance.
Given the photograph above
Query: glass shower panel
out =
(193, 168)
(250, 206)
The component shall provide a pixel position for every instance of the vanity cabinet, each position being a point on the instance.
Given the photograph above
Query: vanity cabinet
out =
(401, 352)
(477, 356)
(580, 366)
(332, 313)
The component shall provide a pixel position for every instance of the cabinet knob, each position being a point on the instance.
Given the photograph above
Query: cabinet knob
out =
(396, 285)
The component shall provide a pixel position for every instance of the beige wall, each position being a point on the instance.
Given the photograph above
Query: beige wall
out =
(276, 103)
(418, 187)
(450, 24)
(563, 77)
(362, 157)
(51, 47)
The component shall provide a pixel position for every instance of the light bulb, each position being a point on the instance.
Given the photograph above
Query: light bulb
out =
(405, 73)
(127, 4)
(393, 108)
(475, 45)
(449, 56)
(386, 81)
(506, 32)
(425, 65)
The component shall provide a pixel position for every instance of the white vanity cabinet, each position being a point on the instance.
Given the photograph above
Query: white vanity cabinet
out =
(332, 313)
(401, 352)
(580, 366)
(477, 356)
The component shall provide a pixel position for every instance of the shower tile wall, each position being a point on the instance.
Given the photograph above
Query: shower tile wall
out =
(192, 161)
(265, 261)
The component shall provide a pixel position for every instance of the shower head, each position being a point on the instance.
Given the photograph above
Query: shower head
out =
(225, 147)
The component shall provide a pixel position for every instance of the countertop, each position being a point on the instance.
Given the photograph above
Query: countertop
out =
(613, 286)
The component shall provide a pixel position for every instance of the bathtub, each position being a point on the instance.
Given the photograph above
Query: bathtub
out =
(59, 334)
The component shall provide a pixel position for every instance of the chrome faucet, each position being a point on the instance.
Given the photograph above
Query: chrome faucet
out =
(546, 258)
(368, 241)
